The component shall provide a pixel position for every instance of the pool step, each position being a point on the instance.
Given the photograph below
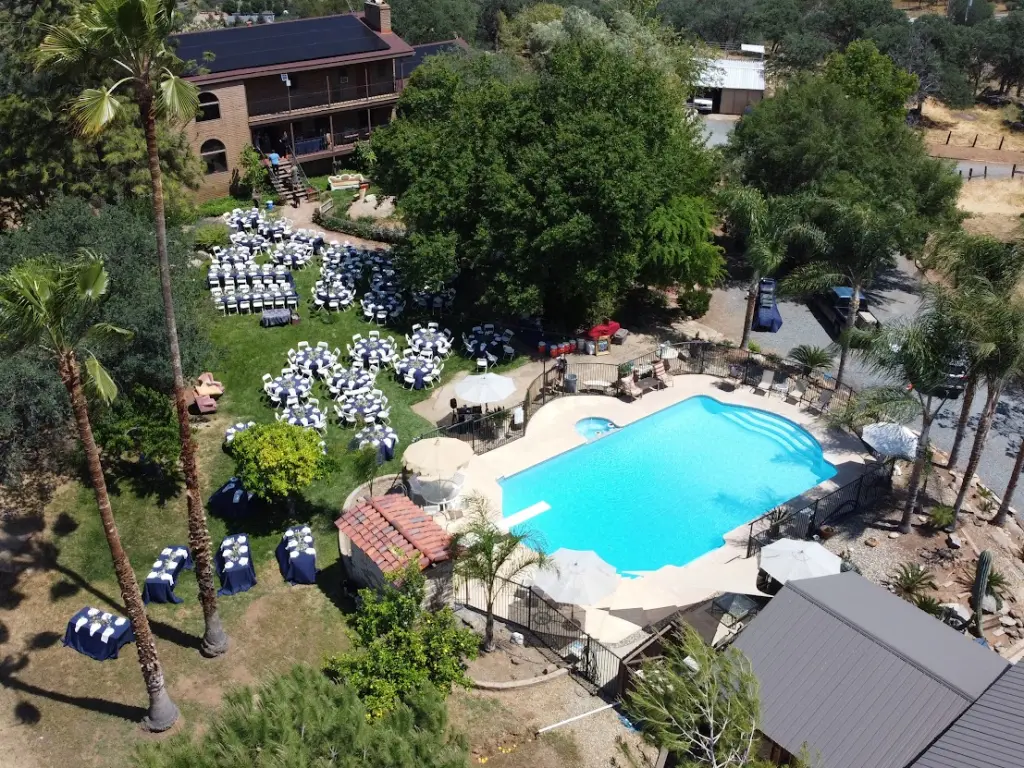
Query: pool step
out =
(793, 437)
(520, 517)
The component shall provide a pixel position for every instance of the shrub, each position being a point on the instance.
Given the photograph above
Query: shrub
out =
(812, 358)
(754, 347)
(402, 647)
(911, 580)
(221, 205)
(930, 605)
(694, 303)
(206, 236)
(941, 517)
(366, 228)
(301, 718)
(276, 461)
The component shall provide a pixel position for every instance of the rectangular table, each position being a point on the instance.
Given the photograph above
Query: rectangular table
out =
(275, 317)
(97, 634)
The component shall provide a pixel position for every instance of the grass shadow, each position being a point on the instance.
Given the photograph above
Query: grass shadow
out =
(163, 631)
(333, 583)
(28, 714)
(144, 481)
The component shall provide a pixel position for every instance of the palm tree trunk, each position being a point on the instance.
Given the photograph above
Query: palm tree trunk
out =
(923, 453)
(215, 640)
(995, 389)
(751, 306)
(844, 339)
(489, 626)
(1011, 487)
(163, 713)
(961, 424)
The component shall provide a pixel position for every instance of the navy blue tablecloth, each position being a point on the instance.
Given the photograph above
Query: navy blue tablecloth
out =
(87, 639)
(161, 590)
(300, 569)
(240, 576)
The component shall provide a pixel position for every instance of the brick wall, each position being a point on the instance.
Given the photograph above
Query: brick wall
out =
(231, 129)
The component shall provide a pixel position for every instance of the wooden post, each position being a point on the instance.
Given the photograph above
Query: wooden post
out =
(949, 136)
(1001, 140)
(970, 173)
(985, 171)
(975, 142)
(327, 77)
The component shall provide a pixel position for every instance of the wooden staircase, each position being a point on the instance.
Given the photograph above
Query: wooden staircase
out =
(281, 182)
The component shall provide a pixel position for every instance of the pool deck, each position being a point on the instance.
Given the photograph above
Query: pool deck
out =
(551, 431)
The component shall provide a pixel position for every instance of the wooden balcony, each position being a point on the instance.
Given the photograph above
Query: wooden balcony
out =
(312, 103)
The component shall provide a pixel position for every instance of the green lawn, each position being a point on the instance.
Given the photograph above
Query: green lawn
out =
(88, 711)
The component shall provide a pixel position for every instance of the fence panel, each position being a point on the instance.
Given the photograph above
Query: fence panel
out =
(557, 627)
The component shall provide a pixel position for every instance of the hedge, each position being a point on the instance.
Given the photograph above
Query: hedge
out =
(366, 228)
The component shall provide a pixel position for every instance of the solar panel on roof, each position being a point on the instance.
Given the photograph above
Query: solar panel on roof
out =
(266, 45)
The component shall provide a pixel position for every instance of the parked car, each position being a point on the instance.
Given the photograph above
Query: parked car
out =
(834, 304)
(703, 105)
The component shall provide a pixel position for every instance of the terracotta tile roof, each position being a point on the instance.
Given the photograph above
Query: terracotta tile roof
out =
(391, 529)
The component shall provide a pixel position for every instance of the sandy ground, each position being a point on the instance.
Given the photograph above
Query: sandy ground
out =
(985, 122)
(996, 207)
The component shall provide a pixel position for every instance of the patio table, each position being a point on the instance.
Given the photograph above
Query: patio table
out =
(353, 378)
(234, 566)
(293, 384)
(234, 429)
(364, 349)
(97, 634)
(317, 358)
(382, 437)
(304, 416)
(163, 576)
(361, 404)
(419, 368)
(296, 555)
(430, 339)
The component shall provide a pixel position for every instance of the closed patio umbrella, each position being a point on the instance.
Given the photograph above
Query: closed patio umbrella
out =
(437, 457)
(576, 577)
(791, 559)
(485, 388)
(888, 439)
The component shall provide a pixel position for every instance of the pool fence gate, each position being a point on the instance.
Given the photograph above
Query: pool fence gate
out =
(557, 628)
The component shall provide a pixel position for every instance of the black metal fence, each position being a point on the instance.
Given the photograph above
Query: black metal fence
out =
(557, 627)
(785, 522)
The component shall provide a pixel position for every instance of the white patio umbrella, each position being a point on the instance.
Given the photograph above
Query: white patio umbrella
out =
(888, 439)
(577, 577)
(437, 457)
(791, 559)
(485, 388)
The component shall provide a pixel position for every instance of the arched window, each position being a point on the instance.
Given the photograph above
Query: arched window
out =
(214, 155)
(209, 107)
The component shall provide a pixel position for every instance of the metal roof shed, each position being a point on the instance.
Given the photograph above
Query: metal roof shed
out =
(990, 734)
(733, 74)
(861, 677)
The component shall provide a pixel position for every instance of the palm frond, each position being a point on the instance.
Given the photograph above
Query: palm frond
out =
(100, 382)
(64, 46)
(96, 108)
(179, 99)
(812, 278)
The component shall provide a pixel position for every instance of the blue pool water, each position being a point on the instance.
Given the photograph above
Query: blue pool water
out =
(665, 489)
(593, 427)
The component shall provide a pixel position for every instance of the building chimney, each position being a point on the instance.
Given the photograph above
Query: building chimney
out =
(377, 15)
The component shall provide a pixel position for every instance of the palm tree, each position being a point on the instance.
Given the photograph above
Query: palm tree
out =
(965, 258)
(483, 552)
(917, 356)
(49, 307)
(911, 581)
(767, 227)
(1011, 488)
(130, 38)
(812, 358)
(861, 243)
(995, 319)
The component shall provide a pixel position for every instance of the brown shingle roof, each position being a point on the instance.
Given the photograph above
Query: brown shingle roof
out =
(392, 529)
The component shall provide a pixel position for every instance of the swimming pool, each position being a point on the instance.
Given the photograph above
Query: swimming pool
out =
(665, 489)
(594, 427)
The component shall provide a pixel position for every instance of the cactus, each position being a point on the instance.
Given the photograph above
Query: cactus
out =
(981, 587)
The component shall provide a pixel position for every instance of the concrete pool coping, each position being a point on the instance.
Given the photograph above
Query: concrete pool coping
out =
(551, 431)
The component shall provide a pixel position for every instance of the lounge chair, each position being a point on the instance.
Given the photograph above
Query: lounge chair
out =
(824, 398)
(767, 380)
(782, 385)
(662, 375)
(204, 404)
(797, 391)
(214, 387)
(628, 387)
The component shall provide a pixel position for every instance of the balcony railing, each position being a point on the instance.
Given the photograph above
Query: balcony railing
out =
(342, 140)
(300, 101)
